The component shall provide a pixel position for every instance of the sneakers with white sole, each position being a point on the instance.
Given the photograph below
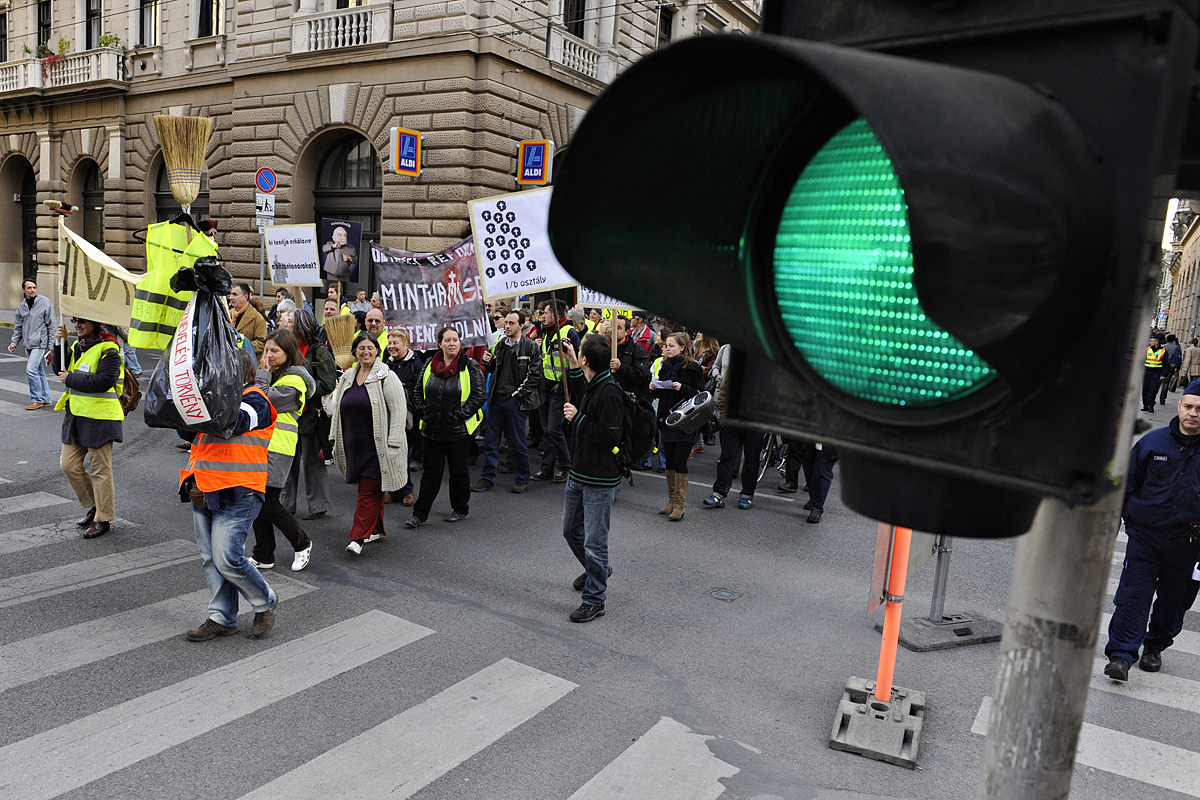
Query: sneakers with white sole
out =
(261, 564)
(355, 547)
(301, 559)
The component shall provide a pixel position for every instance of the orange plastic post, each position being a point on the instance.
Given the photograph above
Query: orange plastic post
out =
(902, 539)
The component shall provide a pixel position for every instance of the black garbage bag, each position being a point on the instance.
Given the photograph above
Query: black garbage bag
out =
(197, 385)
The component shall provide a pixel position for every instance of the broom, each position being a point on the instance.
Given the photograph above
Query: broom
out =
(184, 142)
(340, 331)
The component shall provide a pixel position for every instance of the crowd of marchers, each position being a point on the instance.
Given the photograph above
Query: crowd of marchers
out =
(546, 399)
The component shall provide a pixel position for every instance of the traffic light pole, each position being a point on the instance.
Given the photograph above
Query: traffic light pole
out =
(1048, 650)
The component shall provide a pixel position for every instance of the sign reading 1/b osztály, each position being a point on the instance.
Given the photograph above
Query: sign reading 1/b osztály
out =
(512, 245)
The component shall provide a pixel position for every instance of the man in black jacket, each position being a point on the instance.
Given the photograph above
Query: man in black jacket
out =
(631, 367)
(515, 364)
(594, 424)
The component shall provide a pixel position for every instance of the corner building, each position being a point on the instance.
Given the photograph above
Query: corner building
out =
(308, 88)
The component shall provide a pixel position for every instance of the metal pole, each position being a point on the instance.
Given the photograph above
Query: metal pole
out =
(1059, 581)
(262, 262)
(937, 609)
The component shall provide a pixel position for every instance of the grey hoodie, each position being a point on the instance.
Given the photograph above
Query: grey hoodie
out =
(285, 399)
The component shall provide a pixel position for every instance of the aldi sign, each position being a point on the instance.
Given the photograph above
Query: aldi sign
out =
(406, 152)
(533, 162)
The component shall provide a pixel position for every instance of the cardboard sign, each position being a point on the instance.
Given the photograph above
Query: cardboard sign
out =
(292, 254)
(512, 245)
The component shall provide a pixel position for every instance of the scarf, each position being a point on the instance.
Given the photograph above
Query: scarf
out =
(303, 348)
(441, 368)
(671, 369)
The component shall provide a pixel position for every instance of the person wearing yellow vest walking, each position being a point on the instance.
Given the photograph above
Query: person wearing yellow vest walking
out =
(1157, 370)
(369, 414)
(226, 480)
(288, 386)
(556, 458)
(93, 420)
(449, 403)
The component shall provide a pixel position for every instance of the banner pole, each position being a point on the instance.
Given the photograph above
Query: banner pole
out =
(562, 373)
(612, 329)
(262, 262)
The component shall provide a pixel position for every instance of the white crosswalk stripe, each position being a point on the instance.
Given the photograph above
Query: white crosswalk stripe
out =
(42, 535)
(669, 762)
(88, 642)
(73, 755)
(408, 752)
(23, 388)
(95, 571)
(30, 501)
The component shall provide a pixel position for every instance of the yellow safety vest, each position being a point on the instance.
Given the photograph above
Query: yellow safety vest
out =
(156, 308)
(553, 362)
(1154, 358)
(94, 405)
(287, 431)
(655, 367)
(464, 382)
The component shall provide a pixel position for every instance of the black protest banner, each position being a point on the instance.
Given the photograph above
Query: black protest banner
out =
(425, 292)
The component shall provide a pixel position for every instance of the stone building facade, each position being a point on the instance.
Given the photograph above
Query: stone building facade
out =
(1183, 262)
(309, 88)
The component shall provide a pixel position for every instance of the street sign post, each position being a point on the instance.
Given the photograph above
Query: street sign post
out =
(265, 180)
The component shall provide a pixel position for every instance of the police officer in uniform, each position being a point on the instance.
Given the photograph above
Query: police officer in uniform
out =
(1158, 369)
(1162, 519)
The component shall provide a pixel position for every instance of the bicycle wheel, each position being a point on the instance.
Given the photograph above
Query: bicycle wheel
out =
(768, 454)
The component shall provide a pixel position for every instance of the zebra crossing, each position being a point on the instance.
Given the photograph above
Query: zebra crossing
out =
(396, 758)
(1176, 689)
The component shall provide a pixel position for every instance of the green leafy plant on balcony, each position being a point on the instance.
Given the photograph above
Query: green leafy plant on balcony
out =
(110, 40)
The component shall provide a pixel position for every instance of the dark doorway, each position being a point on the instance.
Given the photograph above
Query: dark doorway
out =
(29, 224)
(350, 186)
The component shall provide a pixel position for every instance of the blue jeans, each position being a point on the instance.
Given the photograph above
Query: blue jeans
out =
(221, 537)
(35, 371)
(129, 353)
(507, 418)
(1153, 565)
(587, 511)
(555, 456)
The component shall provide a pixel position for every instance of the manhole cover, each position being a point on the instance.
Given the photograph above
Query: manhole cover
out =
(724, 595)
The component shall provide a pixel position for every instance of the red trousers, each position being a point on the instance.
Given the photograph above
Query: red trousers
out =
(368, 513)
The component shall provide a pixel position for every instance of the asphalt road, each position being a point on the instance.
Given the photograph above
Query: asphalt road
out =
(441, 661)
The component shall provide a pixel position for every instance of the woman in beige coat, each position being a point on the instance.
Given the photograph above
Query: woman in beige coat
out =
(1190, 369)
(368, 412)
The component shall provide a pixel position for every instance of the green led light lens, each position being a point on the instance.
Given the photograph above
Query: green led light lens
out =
(844, 283)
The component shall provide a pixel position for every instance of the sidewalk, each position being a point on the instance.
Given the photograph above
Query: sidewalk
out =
(7, 315)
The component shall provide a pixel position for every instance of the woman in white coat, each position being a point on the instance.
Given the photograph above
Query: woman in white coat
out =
(368, 412)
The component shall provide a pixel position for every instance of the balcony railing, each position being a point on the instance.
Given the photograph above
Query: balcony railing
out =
(346, 27)
(19, 76)
(574, 53)
(89, 66)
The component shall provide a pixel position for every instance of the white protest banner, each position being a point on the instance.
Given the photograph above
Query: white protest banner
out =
(185, 393)
(292, 254)
(589, 298)
(512, 245)
(93, 286)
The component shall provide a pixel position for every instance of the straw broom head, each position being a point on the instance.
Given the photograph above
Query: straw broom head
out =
(184, 142)
(340, 331)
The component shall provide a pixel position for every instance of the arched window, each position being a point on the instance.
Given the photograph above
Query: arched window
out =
(93, 206)
(350, 187)
(166, 207)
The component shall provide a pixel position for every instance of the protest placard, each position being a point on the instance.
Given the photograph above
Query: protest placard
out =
(425, 292)
(292, 254)
(513, 242)
(589, 298)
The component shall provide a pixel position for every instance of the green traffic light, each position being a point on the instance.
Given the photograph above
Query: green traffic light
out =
(844, 283)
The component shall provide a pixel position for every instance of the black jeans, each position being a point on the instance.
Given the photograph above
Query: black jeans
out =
(273, 515)
(738, 444)
(676, 455)
(437, 456)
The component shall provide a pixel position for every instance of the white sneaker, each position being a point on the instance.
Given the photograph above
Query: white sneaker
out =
(301, 559)
(257, 565)
(355, 547)
(374, 537)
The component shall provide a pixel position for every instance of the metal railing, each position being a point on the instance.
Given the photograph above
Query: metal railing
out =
(574, 53)
(346, 27)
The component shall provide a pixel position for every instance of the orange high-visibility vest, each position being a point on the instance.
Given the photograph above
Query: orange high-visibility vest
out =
(237, 461)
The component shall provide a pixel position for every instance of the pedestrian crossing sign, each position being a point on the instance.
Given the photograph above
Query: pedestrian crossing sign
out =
(533, 162)
(406, 152)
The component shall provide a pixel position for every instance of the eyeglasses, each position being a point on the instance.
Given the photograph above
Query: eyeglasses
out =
(497, 319)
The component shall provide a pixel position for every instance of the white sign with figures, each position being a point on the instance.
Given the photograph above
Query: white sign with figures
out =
(292, 254)
(589, 298)
(512, 245)
(264, 209)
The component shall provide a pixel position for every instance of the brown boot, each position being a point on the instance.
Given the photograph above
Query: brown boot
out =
(681, 484)
(670, 506)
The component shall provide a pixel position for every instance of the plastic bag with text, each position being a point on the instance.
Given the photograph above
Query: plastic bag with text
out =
(197, 385)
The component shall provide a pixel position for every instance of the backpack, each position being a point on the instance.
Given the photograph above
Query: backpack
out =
(637, 433)
(131, 393)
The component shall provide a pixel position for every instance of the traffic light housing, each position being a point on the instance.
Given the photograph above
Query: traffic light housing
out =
(930, 260)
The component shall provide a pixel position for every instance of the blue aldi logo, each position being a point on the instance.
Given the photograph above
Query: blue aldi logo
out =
(533, 162)
(406, 152)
